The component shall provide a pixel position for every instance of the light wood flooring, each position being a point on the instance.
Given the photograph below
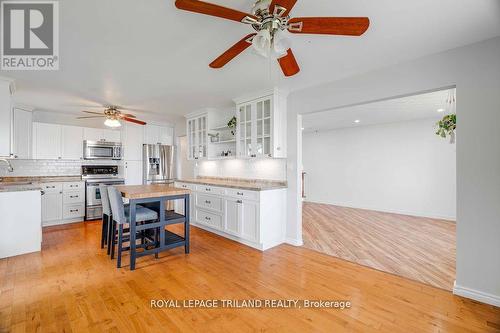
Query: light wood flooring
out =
(72, 286)
(418, 248)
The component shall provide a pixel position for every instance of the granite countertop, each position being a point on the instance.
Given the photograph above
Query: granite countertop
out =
(16, 184)
(241, 183)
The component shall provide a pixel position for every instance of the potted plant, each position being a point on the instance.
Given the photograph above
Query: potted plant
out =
(447, 126)
(232, 125)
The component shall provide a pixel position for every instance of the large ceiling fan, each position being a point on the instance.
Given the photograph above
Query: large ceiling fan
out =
(113, 116)
(269, 19)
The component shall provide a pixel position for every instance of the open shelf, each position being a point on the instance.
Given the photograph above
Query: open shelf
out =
(220, 128)
(224, 141)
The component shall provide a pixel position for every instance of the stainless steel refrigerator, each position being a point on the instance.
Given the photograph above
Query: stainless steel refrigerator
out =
(158, 165)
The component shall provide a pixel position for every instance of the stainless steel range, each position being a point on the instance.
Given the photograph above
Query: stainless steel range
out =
(95, 175)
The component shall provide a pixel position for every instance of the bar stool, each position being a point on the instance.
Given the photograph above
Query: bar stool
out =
(120, 216)
(106, 217)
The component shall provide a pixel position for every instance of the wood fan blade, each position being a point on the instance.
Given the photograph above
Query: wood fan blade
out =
(348, 26)
(134, 121)
(90, 117)
(288, 64)
(232, 52)
(286, 4)
(128, 115)
(212, 10)
(92, 112)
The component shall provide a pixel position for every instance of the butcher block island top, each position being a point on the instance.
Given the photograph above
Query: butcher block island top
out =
(150, 191)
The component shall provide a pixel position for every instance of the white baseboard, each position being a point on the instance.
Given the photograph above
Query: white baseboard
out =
(476, 295)
(294, 241)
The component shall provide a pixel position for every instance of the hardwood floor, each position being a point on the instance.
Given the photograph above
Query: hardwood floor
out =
(72, 286)
(418, 248)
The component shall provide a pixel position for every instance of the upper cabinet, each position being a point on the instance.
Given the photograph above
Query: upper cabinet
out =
(133, 136)
(98, 134)
(197, 136)
(22, 133)
(261, 126)
(53, 141)
(6, 88)
(155, 134)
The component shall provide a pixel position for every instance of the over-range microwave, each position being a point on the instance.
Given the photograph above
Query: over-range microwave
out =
(102, 150)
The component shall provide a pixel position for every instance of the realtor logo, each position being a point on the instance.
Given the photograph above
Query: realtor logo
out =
(30, 35)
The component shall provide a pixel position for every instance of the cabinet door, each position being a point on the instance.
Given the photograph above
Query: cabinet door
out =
(23, 127)
(92, 134)
(5, 118)
(244, 132)
(72, 142)
(261, 140)
(133, 136)
(201, 135)
(133, 172)
(47, 139)
(166, 135)
(111, 135)
(52, 206)
(152, 135)
(249, 220)
(232, 216)
(191, 134)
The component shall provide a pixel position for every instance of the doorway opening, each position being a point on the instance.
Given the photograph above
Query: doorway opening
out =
(380, 185)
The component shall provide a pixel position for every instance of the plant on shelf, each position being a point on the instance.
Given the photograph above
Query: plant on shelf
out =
(232, 125)
(447, 126)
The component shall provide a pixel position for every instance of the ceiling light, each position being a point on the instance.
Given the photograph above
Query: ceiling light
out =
(113, 123)
(269, 44)
(440, 110)
(262, 43)
(357, 121)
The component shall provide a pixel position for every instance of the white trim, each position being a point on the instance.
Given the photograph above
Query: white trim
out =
(476, 295)
(259, 94)
(199, 113)
(294, 242)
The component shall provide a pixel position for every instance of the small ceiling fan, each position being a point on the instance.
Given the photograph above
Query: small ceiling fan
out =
(113, 116)
(269, 19)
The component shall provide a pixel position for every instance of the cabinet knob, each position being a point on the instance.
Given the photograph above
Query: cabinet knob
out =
(239, 201)
(208, 201)
(278, 148)
(239, 193)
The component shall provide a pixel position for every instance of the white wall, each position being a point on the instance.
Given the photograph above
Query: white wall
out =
(400, 167)
(267, 168)
(475, 70)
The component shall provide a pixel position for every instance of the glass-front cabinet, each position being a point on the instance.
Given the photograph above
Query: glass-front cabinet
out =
(261, 127)
(197, 137)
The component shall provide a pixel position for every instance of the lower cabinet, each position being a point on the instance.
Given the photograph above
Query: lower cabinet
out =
(254, 218)
(63, 203)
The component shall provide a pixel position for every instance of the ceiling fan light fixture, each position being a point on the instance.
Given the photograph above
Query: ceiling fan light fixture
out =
(262, 42)
(281, 44)
(113, 123)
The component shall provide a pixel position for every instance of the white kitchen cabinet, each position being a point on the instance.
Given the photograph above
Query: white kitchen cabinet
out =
(63, 202)
(46, 141)
(133, 139)
(22, 135)
(197, 136)
(133, 172)
(52, 207)
(5, 117)
(155, 134)
(254, 218)
(99, 134)
(261, 126)
(71, 142)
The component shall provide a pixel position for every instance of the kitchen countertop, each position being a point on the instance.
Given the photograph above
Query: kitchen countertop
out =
(149, 191)
(16, 184)
(241, 183)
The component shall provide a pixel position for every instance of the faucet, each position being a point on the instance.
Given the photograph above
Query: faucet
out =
(9, 166)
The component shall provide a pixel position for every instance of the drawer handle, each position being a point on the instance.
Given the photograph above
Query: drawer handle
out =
(73, 210)
(208, 201)
(208, 189)
(239, 201)
(73, 196)
(239, 193)
(50, 186)
(184, 186)
(207, 218)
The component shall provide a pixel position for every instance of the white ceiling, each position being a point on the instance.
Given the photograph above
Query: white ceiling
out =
(150, 55)
(409, 108)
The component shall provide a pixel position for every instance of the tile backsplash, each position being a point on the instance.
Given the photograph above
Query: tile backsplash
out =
(48, 167)
(268, 169)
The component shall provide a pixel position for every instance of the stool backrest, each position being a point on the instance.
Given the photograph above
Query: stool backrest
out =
(106, 208)
(116, 202)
